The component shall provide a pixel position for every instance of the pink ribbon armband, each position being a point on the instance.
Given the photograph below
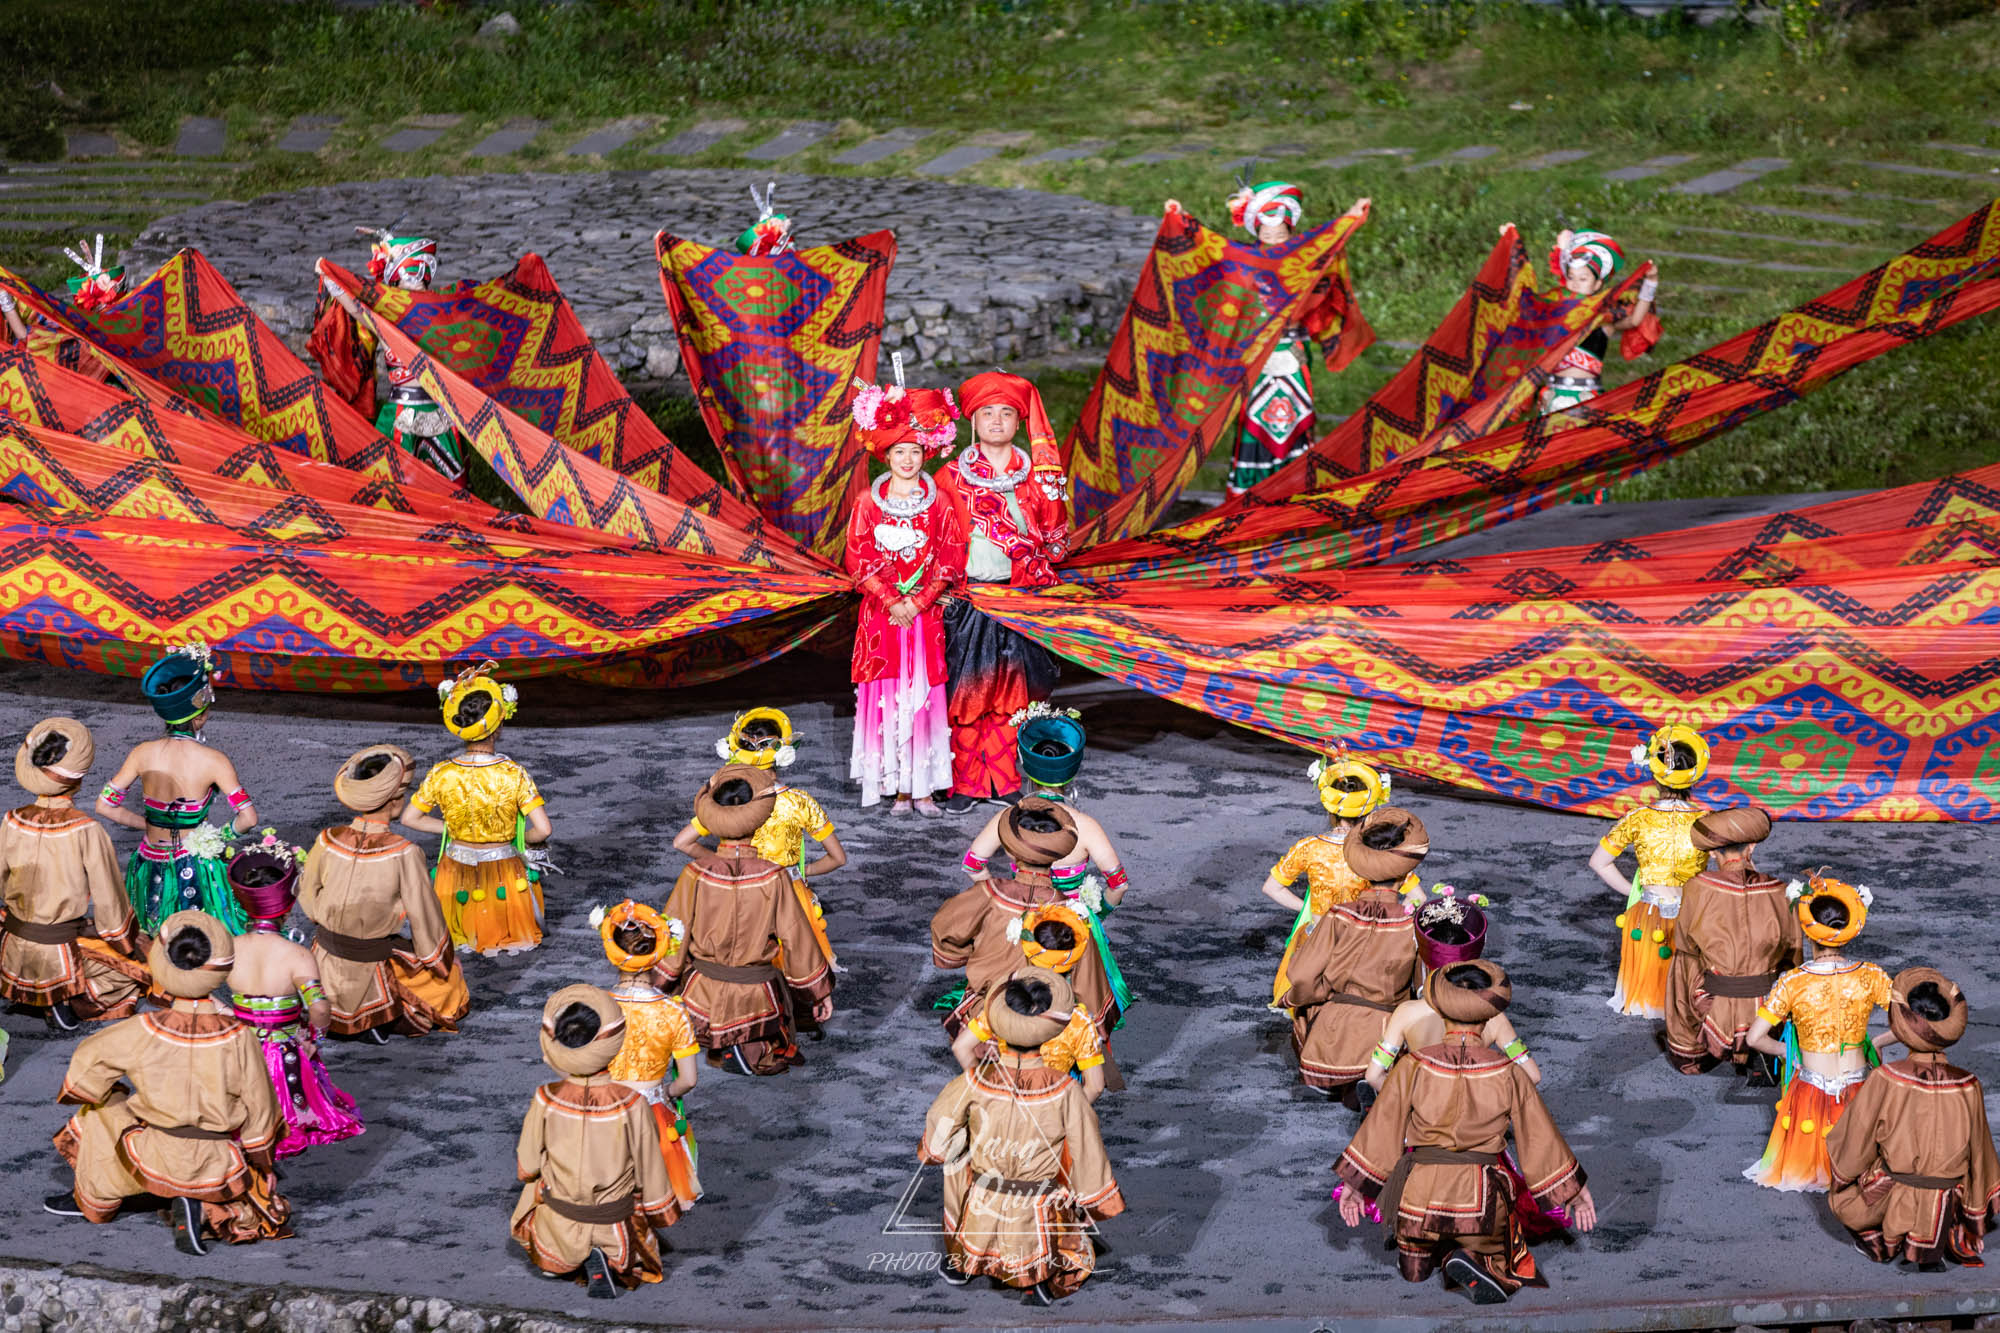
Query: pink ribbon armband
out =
(238, 799)
(974, 864)
(112, 795)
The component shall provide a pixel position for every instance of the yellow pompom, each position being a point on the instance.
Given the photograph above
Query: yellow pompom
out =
(1785, 1122)
(1659, 935)
(1827, 1128)
(1620, 921)
(479, 895)
(1805, 1126)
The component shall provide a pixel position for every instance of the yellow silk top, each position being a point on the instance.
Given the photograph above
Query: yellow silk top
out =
(1329, 879)
(782, 838)
(657, 1033)
(1076, 1046)
(1658, 836)
(480, 798)
(1829, 1008)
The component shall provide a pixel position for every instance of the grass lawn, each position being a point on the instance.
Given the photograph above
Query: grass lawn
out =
(1234, 75)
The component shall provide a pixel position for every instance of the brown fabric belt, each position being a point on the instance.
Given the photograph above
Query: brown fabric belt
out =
(593, 1214)
(1726, 987)
(1342, 997)
(1923, 1182)
(190, 1132)
(45, 932)
(755, 974)
(1003, 1185)
(355, 949)
(1391, 1198)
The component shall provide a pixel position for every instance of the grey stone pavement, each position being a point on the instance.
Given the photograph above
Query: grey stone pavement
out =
(1224, 1159)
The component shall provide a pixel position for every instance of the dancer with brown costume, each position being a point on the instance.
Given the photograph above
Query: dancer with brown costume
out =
(361, 886)
(1914, 1172)
(69, 945)
(1737, 933)
(595, 1185)
(199, 1123)
(1430, 1152)
(752, 971)
(1359, 961)
(1025, 1175)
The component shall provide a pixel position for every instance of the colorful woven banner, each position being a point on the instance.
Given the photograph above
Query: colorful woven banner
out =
(1204, 315)
(1437, 495)
(516, 339)
(772, 345)
(187, 329)
(562, 486)
(1843, 661)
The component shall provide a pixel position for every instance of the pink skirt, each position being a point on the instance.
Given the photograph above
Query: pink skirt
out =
(902, 733)
(314, 1111)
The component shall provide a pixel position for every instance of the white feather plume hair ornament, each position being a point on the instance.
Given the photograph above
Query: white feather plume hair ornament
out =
(596, 917)
(722, 748)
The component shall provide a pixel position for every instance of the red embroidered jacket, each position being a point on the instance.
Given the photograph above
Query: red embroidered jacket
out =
(890, 558)
(1032, 547)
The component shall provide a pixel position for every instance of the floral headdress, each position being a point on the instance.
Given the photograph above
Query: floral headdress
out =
(731, 748)
(98, 285)
(888, 416)
(1856, 898)
(401, 261)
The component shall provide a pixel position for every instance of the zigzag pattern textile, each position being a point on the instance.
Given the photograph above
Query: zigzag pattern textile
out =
(517, 340)
(1450, 491)
(1205, 314)
(772, 346)
(1479, 368)
(186, 331)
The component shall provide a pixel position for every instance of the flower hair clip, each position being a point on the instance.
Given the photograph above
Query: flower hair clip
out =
(199, 653)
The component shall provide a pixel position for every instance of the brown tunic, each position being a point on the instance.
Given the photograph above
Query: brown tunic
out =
(361, 889)
(1745, 933)
(1917, 1117)
(1365, 950)
(190, 1067)
(739, 912)
(1025, 1173)
(590, 1146)
(1461, 1095)
(57, 870)
(970, 931)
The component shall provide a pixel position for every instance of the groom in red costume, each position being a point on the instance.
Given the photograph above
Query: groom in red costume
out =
(1011, 505)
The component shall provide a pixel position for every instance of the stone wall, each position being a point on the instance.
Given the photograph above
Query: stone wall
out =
(983, 275)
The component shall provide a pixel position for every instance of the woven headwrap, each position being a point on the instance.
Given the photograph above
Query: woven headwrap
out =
(1374, 793)
(1267, 199)
(1604, 255)
(1657, 754)
(730, 822)
(1056, 960)
(1730, 828)
(1459, 1005)
(1390, 866)
(778, 754)
(191, 983)
(997, 386)
(1847, 894)
(1912, 1028)
(502, 701)
(367, 795)
(1024, 1032)
(594, 1056)
(665, 942)
(1038, 850)
(64, 774)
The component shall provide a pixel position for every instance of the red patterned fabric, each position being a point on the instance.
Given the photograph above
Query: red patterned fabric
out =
(1032, 547)
(929, 567)
(984, 756)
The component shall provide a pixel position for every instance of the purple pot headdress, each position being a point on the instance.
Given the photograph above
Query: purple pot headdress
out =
(1441, 921)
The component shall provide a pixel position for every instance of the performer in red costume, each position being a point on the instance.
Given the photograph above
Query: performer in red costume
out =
(904, 550)
(1012, 508)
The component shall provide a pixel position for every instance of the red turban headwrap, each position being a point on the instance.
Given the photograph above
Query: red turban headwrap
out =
(997, 386)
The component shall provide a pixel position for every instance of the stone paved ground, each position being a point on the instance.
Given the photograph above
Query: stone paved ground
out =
(1223, 1158)
(1069, 263)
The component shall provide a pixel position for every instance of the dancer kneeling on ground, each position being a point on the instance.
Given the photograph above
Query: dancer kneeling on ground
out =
(1914, 1172)
(1359, 961)
(361, 885)
(69, 945)
(596, 1185)
(200, 1120)
(1430, 1152)
(751, 972)
(1025, 1172)
(1349, 791)
(1737, 933)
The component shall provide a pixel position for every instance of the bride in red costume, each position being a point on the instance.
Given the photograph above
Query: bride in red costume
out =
(1012, 509)
(904, 549)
